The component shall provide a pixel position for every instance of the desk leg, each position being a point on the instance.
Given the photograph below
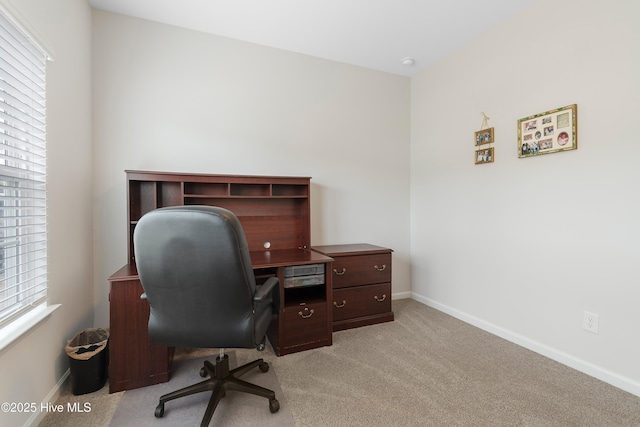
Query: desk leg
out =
(134, 360)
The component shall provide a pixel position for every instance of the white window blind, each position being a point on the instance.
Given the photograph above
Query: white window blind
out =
(23, 221)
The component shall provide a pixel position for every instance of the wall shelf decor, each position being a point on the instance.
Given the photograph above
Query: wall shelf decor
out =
(548, 132)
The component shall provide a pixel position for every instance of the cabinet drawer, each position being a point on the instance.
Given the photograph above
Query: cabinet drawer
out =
(349, 303)
(305, 323)
(359, 270)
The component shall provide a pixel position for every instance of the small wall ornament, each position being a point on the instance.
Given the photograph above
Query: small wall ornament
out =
(484, 136)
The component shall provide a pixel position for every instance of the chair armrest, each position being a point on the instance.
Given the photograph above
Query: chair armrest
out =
(266, 289)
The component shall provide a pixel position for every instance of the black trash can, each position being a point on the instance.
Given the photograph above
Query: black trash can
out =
(88, 355)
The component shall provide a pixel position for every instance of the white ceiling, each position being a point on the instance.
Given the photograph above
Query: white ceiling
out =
(375, 34)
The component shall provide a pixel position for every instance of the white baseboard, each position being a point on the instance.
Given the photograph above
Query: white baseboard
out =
(51, 397)
(588, 368)
(401, 295)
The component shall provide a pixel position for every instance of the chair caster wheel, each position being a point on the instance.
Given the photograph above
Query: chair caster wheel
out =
(274, 406)
(159, 410)
(203, 372)
(261, 347)
(264, 367)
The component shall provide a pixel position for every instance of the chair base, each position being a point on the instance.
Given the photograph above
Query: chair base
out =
(220, 380)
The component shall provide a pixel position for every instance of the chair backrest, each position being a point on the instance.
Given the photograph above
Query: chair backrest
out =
(195, 269)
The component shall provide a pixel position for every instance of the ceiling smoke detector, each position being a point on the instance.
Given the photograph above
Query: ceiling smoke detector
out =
(408, 61)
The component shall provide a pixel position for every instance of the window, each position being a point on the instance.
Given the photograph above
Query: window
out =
(23, 220)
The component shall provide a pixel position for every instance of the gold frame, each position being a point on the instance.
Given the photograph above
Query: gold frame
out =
(484, 136)
(489, 159)
(549, 132)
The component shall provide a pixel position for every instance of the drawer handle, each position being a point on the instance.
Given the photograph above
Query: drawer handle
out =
(308, 315)
(340, 273)
(341, 305)
(384, 297)
(384, 266)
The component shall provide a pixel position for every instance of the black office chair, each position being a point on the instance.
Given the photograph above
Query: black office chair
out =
(195, 269)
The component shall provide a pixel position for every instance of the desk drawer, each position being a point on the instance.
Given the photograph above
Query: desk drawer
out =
(305, 323)
(359, 270)
(361, 301)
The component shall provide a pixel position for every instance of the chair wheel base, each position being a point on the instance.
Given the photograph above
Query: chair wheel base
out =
(274, 406)
(160, 411)
(220, 380)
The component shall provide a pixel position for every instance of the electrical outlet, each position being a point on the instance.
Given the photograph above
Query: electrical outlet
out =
(590, 322)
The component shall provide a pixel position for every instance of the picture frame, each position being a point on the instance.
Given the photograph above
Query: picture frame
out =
(484, 136)
(484, 155)
(549, 132)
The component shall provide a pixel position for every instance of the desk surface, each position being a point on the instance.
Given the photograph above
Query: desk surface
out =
(285, 257)
(259, 259)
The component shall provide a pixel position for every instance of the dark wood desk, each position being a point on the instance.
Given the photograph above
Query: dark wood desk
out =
(275, 215)
(303, 322)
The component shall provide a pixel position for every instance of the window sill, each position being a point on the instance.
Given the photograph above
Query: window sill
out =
(21, 326)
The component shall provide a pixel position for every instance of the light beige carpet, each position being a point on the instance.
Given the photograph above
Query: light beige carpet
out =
(136, 407)
(429, 369)
(423, 369)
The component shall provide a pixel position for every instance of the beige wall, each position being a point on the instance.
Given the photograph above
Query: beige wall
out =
(171, 99)
(521, 247)
(31, 366)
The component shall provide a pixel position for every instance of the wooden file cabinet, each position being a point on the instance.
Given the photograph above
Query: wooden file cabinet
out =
(361, 275)
(305, 325)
